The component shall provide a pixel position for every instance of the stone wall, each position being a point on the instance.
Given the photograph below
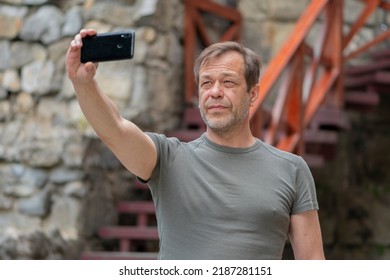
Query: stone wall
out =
(58, 182)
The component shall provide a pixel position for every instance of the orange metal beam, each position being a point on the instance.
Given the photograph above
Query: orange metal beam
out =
(288, 106)
(233, 33)
(289, 143)
(385, 5)
(294, 108)
(323, 85)
(323, 71)
(218, 10)
(287, 111)
(371, 6)
(201, 28)
(278, 107)
(380, 38)
(278, 63)
(309, 75)
(335, 49)
(317, 56)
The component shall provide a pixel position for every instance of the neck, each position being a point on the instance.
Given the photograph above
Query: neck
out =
(234, 139)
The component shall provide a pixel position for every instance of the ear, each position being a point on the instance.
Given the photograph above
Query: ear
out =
(254, 93)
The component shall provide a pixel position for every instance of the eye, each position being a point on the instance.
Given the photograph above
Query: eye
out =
(229, 83)
(205, 84)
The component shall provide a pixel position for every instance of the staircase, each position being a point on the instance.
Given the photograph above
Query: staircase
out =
(363, 86)
(136, 235)
(317, 83)
(365, 83)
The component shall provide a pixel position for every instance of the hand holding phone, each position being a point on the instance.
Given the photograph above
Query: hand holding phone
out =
(108, 46)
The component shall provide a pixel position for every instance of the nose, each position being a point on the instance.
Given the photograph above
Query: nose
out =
(216, 91)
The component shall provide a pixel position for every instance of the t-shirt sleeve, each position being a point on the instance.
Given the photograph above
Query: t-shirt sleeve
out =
(306, 197)
(167, 149)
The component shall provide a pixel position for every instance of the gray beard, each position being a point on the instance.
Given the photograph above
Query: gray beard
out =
(228, 123)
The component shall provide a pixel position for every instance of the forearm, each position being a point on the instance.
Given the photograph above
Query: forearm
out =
(305, 236)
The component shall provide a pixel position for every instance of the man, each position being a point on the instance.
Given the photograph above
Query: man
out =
(226, 195)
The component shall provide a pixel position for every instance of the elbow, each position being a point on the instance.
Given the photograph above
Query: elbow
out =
(112, 134)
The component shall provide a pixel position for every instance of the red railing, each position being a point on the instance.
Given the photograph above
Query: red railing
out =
(308, 76)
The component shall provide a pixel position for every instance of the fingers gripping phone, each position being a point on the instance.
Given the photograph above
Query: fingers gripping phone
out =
(108, 46)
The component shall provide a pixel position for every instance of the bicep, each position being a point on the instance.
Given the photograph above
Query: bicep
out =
(136, 150)
(305, 235)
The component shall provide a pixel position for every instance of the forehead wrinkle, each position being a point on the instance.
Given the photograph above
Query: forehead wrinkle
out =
(207, 75)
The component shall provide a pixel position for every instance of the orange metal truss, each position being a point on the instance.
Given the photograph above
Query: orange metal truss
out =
(309, 76)
(303, 76)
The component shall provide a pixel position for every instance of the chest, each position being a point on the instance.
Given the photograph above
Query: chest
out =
(224, 188)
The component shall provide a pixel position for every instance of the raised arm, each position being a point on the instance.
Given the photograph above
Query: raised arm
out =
(305, 236)
(133, 148)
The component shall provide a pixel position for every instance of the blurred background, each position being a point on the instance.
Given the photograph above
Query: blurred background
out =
(324, 95)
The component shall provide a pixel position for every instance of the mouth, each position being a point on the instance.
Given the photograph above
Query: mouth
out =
(216, 107)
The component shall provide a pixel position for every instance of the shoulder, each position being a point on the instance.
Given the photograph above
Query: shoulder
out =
(282, 156)
(162, 142)
(161, 139)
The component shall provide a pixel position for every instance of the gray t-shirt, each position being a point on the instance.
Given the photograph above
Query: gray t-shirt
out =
(216, 202)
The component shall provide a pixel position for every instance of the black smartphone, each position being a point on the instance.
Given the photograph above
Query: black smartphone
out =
(108, 46)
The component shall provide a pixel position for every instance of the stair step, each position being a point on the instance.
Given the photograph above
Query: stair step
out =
(146, 207)
(361, 100)
(129, 232)
(193, 126)
(320, 137)
(103, 255)
(321, 143)
(368, 68)
(329, 117)
(192, 118)
(382, 77)
(381, 54)
(314, 160)
(139, 185)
